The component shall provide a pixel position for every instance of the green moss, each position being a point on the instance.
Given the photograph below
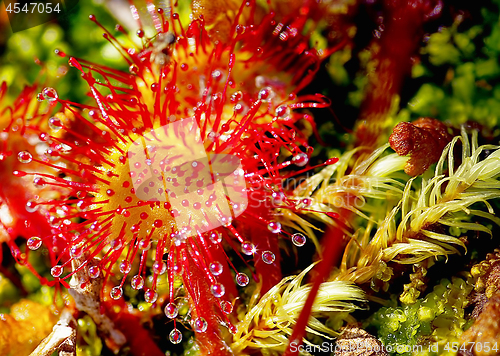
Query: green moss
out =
(436, 319)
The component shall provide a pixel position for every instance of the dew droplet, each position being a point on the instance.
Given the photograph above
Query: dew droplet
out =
(125, 267)
(299, 239)
(300, 159)
(134, 69)
(159, 267)
(200, 325)
(145, 244)
(24, 157)
(278, 198)
(175, 336)
(150, 296)
(226, 221)
(94, 272)
(232, 329)
(274, 227)
(116, 292)
(178, 239)
(16, 173)
(76, 251)
(216, 268)
(226, 307)
(171, 310)
(266, 94)
(50, 94)
(282, 112)
(306, 202)
(248, 248)
(34, 243)
(242, 279)
(31, 206)
(268, 257)
(177, 269)
(55, 124)
(56, 271)
(116, 244)
(39, 182)
(215, 237)
(218, 290)
(137, 282)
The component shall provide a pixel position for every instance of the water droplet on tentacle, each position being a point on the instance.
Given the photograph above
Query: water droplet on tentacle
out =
(171, 310)
(299, 239)
(56, 271)
(55, 124)
(150, 296)
(268, 257)
(300, 159)
(116, 292)
(24, 157)
(34, 243)
(94, 272)
(159, 267)
(76, 251)
(175, 336)
(215, 237)
(248, 248)
(274, 227)
(216, 268)
(125, 267)
(200, 325)
(50, 94)
(242, 279)
(226, 307)
(218, 290)
(137, 282)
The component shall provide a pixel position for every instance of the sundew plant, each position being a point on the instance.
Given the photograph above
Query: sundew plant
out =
(251, 178)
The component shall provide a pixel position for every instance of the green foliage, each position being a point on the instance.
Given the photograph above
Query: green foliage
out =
(470, 57)
(74, 35)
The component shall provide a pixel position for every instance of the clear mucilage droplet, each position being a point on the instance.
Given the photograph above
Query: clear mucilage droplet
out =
(116, 292)
(248, 248)
(300, 159)
(94, 272)
(159, 267)
(171, 310)
(242, 279)
(266, 94)
(137, 282)
(24, 157)
(55, 124)
(215, 237)
(31, 206)
(268, 257)
(226, 307)
(125, 267)
(218, 290)
(216, 268)
(34, 243)
(56, 271)
(274, 227)
(76, 251)
(175, 336)
(200, 325)
(299, 239)
(50, 94)
(150, 296)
